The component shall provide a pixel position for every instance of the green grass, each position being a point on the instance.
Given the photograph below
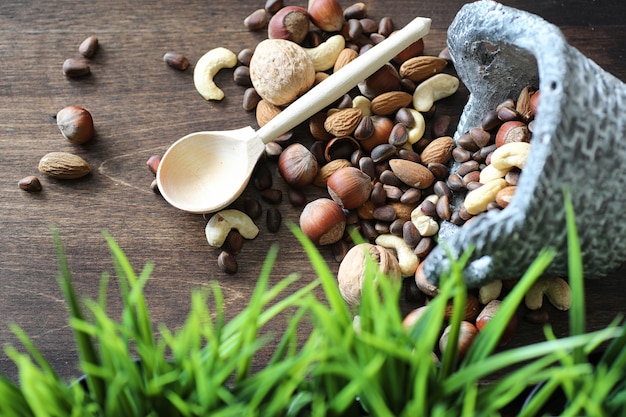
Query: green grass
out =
(325, 362)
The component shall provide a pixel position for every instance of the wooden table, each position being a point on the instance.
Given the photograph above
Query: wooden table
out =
(140, 106)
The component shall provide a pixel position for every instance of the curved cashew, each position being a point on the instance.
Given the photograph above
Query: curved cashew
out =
(325, 54)
(490, 173)
(416, 132)
(509, 155)
(406, 257)
(556, 289)
(417, 211)
(223, 221)
(426, 225)
(207, 66)
(434, 88)
(477, 200)
(490, 292)
(363, 103)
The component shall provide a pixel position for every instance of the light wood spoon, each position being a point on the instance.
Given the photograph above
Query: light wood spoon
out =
(204, 172)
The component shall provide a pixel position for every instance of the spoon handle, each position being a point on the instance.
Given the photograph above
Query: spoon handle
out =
(342, 81)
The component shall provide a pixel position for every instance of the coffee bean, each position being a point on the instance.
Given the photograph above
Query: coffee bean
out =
(273, 220)
(227, 263)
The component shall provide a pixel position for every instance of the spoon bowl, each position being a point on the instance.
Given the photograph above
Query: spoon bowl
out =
(204, 172)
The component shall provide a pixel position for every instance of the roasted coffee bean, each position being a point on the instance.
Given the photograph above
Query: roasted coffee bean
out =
(381, 227)
(455, 182)
(429, 208)
(252, 207)
(250, 99)
(480, 136)
(262, 177)
(440, 171)
(512, 177)
(443, 208)
(409, 155)
(393, 193)
(297, 198)
(410, 234)
(233, 242)
(399, 135)
(441, 125)
(461, 155)
(490, 121)
(273, 219)
(340, 249)
(366, 164)
(405, 117)
(385, 214)
(241, 76)
(395, 228)
(383, 152)
(389, 178)
(467, 167)
(272, 195)
(378, 196)
(467, 142)
(227, 263)
(368, 230)
(411, 196)
(424, 246)
(441, 189)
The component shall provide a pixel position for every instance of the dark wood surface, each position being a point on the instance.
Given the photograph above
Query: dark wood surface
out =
(140, 106)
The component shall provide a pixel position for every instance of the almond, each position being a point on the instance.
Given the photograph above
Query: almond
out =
(438, 151)
(345, 57)
(412, 173)
(63, 165)
(265, 111)
(420, 68)
(390, 102)
(343, 122)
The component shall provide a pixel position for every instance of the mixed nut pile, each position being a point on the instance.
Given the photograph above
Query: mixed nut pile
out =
(387, 176)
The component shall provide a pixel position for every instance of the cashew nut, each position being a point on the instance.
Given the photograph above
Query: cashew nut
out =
(490, 173)
(417, 211)
(325, 54)
(207, 66)
(426, 225)
(363, 103)
(509, 155)
(406, 257)
(556, 289)
(416, 132)
(490, 292)
(476, 201)
(223, 221)
(434, 88)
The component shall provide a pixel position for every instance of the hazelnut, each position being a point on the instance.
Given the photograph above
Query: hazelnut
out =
(297, 165)
(513, 131)
(290, 23)
(326, 14)
(467, 333)
(323, 221)
(352, 269)
(383, 80)
(76, 124)
(349, 187)
(488, 312)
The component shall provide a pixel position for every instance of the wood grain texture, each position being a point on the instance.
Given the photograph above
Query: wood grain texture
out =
(140, 106)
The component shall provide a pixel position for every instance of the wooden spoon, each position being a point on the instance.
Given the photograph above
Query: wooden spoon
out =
(204, 172)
